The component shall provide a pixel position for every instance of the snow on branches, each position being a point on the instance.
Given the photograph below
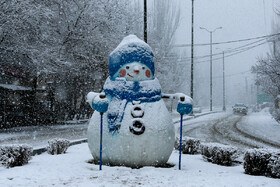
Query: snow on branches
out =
(15, 155)
(219, 154)
(262, 162)
(58, 146)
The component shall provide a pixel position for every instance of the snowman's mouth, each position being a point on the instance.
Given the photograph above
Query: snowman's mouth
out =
(130, 75)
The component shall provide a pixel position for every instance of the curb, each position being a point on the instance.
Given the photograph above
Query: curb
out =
(195, 116)
(41, 150)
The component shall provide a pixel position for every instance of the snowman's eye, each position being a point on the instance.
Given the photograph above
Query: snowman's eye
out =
(127, 67)
(143, 67)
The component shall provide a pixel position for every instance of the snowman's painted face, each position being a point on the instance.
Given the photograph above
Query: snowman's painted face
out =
(135, 72)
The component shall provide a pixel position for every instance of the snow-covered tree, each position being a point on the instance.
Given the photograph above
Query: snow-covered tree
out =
(268, 74)
(164, 21)
(67, 43)
(268, 69)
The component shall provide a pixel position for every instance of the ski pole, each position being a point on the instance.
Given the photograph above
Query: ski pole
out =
(180, 146)
(101, 127)
(182, 108)
(101, 107)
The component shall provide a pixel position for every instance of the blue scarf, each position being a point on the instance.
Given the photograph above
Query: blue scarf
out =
(121, 92)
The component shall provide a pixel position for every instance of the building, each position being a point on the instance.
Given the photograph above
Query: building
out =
(19, 105)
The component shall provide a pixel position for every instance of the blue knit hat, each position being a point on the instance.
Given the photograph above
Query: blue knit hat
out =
(131, 49)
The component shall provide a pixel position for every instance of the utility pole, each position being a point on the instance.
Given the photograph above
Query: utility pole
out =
(274, 48)
(211, 99)
(145, 21)
(251, 95)
(211, 32)
(224, 85)
(246, 86)
(224, 89)
(192, 38)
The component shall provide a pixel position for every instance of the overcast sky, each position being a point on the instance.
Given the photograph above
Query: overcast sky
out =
(240, 19)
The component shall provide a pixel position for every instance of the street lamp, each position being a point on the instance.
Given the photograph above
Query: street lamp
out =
(210, 61)
(192, 95)
(145, 21)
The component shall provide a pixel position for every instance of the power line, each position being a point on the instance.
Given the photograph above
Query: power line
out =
(231, 75)
(237, 52)
(220, 53)
(227, 42)
(233, 51)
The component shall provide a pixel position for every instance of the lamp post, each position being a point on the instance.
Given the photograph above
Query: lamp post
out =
(192, 51)
(211, 32)
(224, 89)
(145, 21)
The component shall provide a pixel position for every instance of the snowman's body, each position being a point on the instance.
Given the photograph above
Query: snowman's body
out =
(151, 146)
(137, 128)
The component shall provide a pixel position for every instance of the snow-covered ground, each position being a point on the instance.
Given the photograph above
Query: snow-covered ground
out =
(261, 124)
(73, 169)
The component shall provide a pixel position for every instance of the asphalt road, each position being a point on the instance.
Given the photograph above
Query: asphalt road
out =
(226, 130)
(221, 128)
(38, 136)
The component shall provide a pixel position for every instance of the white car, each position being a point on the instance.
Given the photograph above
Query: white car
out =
(240, 108)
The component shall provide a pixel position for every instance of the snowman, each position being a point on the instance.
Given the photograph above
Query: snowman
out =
(137, 127)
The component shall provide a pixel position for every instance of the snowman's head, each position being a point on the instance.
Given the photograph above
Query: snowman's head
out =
(135, 71)
(133, 60)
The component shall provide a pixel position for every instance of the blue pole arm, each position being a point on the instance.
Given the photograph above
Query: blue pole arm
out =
(180, 145)
(101, 128)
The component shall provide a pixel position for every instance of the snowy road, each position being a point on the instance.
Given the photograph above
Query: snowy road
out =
(253, 130)
(256, 130)
(38, 136)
